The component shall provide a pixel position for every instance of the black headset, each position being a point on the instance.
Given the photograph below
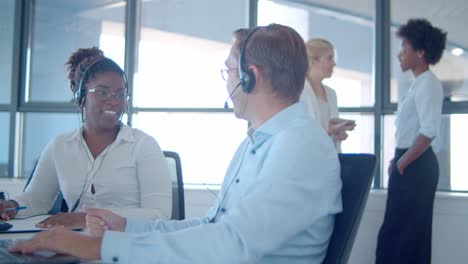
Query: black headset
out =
(246, 76)
(80, 92)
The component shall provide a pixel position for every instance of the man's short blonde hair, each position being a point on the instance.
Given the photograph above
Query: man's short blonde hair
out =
(280, 53)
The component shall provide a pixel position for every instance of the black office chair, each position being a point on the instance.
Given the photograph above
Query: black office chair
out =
(178, 200)
(59, 204)
(357, 171)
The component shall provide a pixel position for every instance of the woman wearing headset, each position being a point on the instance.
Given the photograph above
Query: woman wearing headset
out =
(104, 163)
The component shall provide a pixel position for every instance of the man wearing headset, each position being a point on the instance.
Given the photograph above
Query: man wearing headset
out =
(281, 191)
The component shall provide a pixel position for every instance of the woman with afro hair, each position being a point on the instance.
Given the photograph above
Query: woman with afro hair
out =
(405, 235)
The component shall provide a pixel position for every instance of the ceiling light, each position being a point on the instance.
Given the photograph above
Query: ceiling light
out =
(457, 51)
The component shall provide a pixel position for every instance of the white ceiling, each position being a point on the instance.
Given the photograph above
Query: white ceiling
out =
(450, 15)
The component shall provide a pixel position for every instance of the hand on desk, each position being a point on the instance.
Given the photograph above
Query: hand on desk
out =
(61, 240)
(69, 220)
(100, 220)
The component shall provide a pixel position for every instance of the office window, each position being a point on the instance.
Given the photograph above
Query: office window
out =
(361, 139)
(181, 49)
(181, 52)
(349, 30)
(449, 147)
(7, 15)
(452, 70)
(205, 141)
(456, 143)
(388, 150)
(60, 28)
(4, 143)
(39, 129)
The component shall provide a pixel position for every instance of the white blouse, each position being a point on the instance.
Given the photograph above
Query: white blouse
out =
(320, 110)
(420, 110)
(130, 177)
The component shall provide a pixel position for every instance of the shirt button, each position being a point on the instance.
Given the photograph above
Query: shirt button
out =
(237, 180)
(115, 259)
(253, 151)
(223, 210)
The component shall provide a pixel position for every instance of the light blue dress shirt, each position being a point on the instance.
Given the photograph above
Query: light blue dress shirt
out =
(277, 204)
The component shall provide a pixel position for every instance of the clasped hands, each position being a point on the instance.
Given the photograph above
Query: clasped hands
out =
(100, 220)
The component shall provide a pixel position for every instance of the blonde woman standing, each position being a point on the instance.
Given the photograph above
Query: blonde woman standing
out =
(319, 98)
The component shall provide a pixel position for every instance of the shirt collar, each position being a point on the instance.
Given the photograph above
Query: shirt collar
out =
(125, 134)
(420, 77)
(275, 124)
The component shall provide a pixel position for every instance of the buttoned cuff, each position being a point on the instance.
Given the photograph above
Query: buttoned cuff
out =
(115, 247)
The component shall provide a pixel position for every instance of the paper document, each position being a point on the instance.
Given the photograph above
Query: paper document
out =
(27, 225)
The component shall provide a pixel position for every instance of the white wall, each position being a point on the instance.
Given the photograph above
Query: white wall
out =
(449, 235)
(12, 186)
(450, 226)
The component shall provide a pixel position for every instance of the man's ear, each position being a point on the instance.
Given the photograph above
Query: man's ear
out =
(256, 72)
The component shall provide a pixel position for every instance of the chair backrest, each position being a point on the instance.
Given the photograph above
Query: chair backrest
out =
(60, 205)
(357, 171)
(178, 200)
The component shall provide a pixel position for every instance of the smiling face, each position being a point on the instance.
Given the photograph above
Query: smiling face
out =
(104, 103)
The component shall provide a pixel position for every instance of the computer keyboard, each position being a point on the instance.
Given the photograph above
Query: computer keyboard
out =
(44, 257)
(7, 257)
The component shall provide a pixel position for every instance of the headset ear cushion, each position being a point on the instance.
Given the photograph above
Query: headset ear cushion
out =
(248, 81)
(78, 97)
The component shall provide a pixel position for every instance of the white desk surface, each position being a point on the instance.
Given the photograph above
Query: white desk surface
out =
(26, 225)
(23, 224)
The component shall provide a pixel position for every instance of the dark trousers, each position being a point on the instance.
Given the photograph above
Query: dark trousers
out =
(405, 235)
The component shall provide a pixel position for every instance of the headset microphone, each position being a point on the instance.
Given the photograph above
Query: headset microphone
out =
(246, 76)
(226, 106)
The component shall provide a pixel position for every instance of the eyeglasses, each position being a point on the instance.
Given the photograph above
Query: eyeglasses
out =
(105, 95)
(225, 73)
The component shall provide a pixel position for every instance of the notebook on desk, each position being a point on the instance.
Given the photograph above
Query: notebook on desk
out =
(39, 258)
(28, 225)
